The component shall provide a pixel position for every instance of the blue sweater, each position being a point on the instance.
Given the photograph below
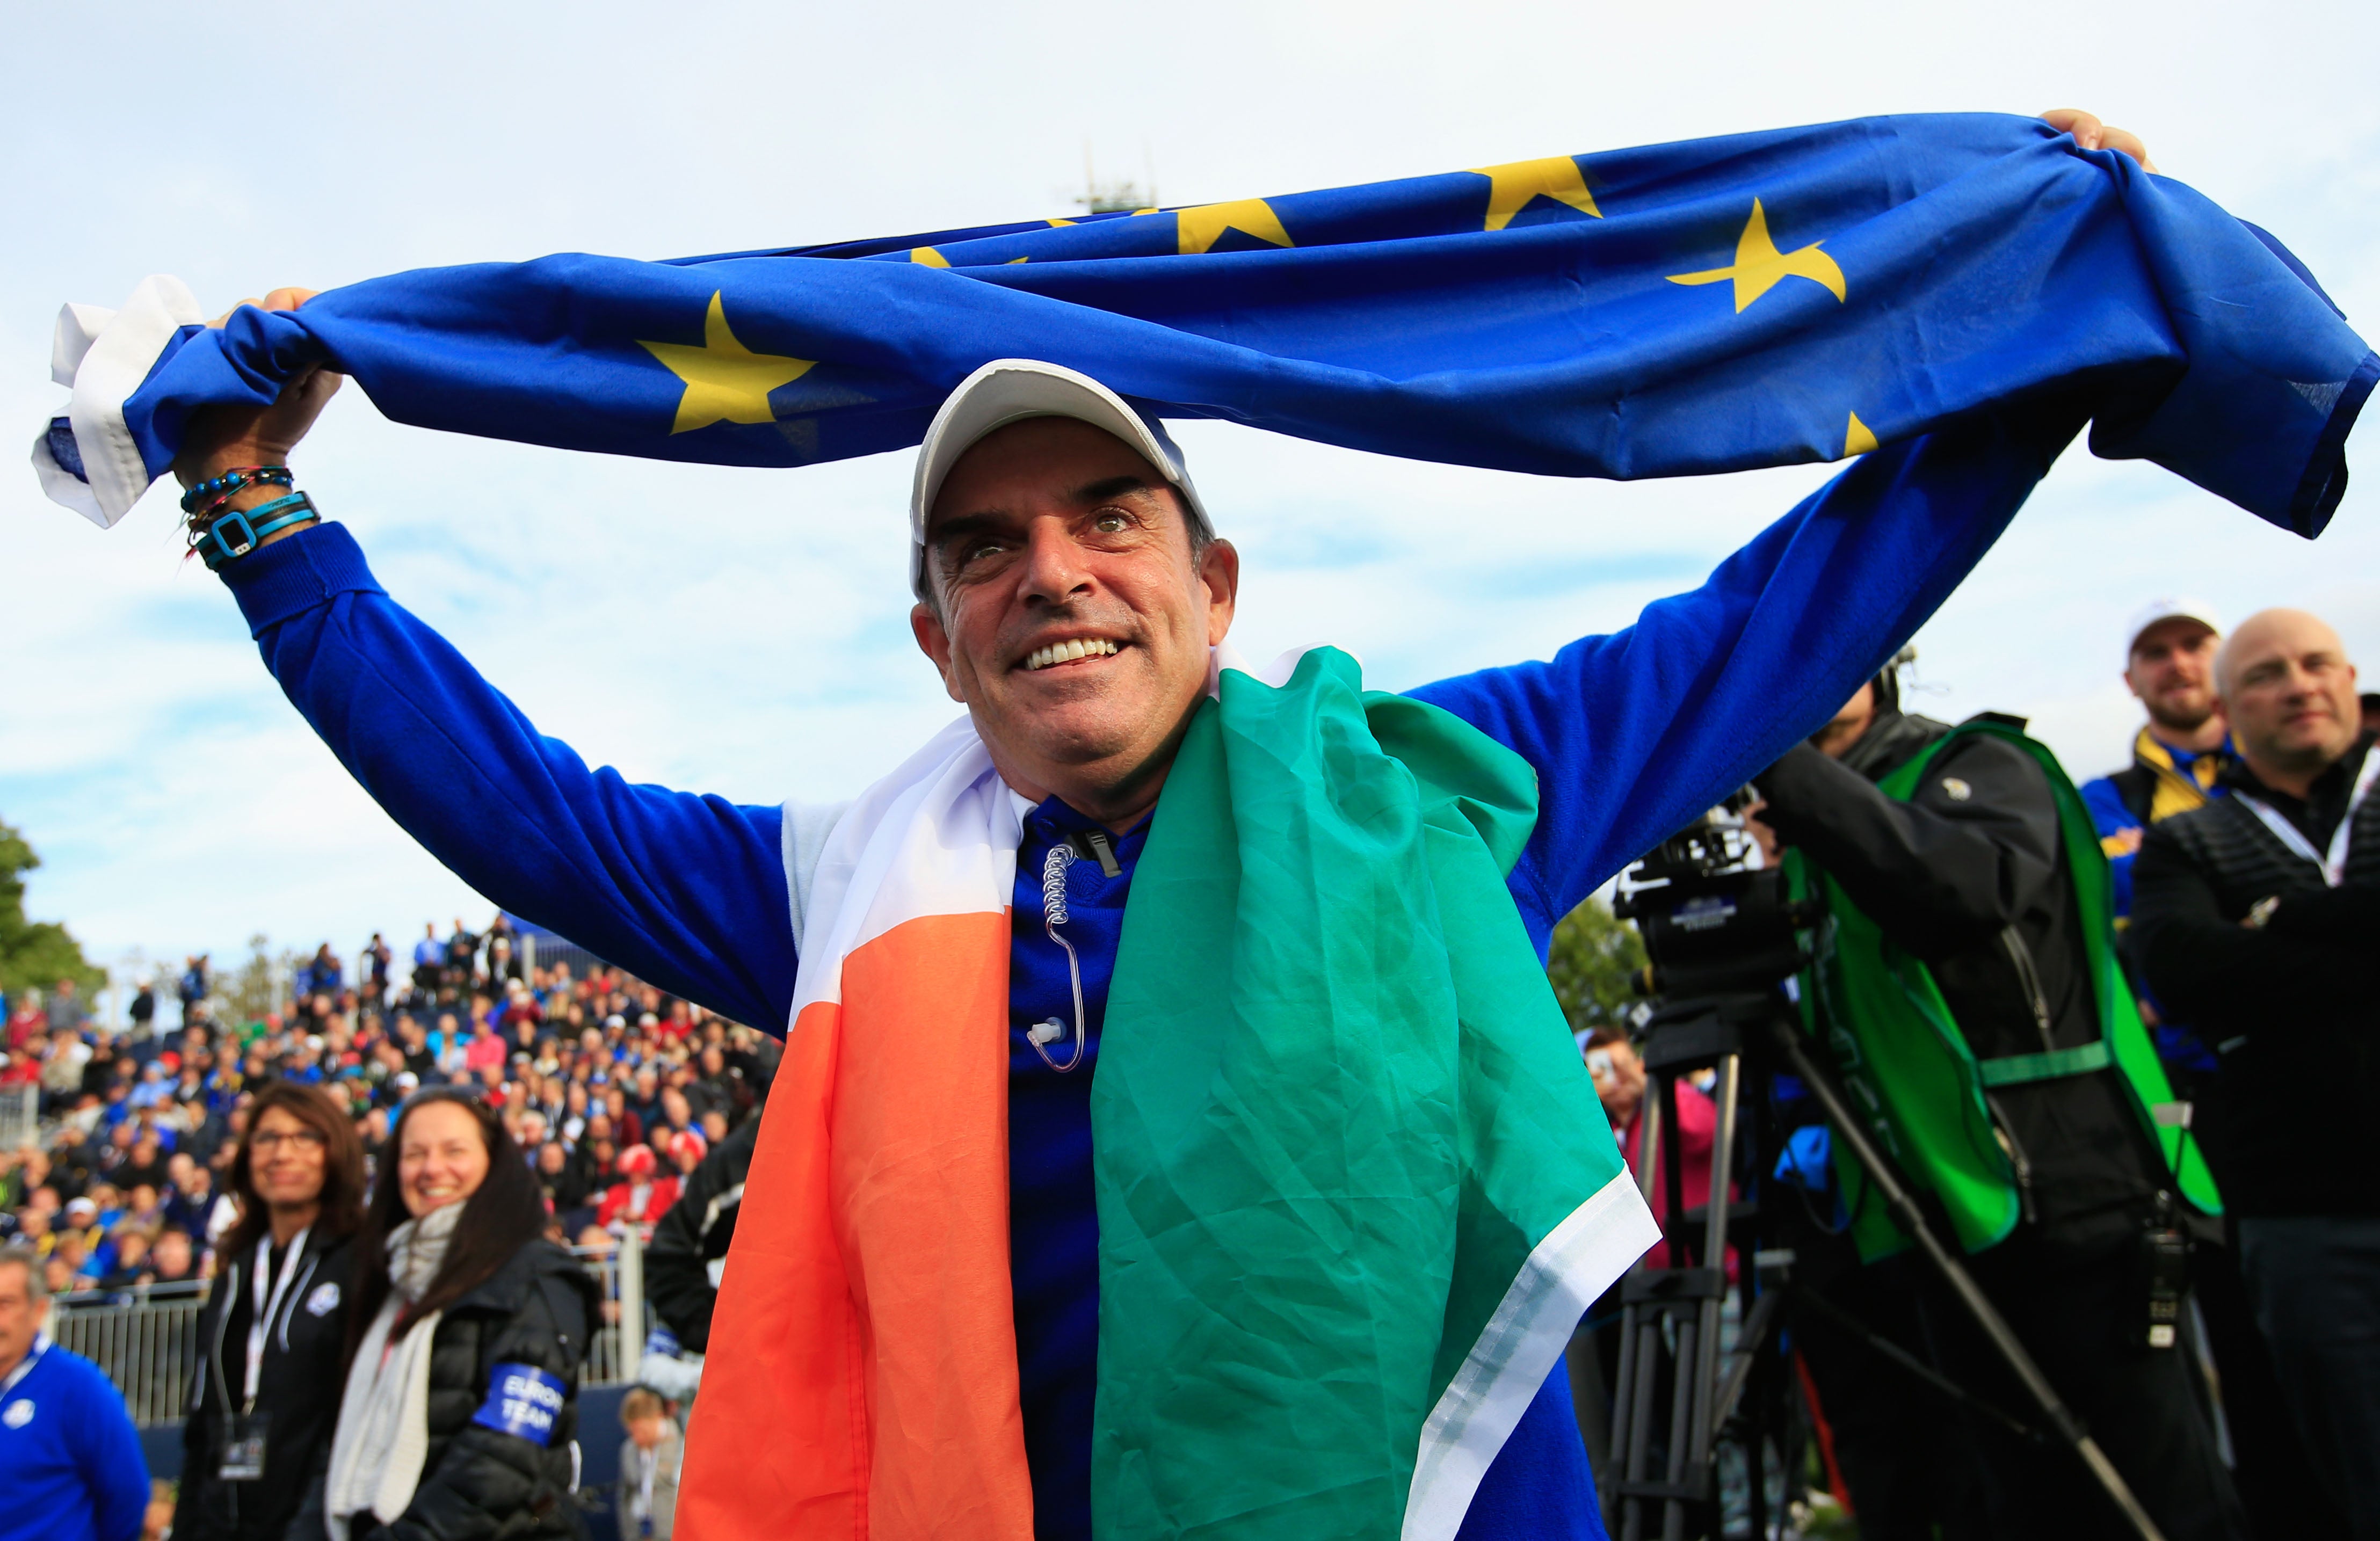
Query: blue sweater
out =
(70, 1456)
(1631, 734)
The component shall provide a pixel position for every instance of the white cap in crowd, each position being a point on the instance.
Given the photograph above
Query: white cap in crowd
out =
(2177, 609)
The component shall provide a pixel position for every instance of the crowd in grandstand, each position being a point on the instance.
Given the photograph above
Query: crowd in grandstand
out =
(616, 1088)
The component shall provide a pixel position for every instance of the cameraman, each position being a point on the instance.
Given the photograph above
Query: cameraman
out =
(1970, 966)
(2255, 917)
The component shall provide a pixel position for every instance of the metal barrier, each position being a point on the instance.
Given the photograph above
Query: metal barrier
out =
(614, 1356)
(146, 1340)
(20, 1108)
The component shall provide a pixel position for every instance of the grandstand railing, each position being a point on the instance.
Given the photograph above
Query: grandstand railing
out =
(20, 1111)
(147, 1339)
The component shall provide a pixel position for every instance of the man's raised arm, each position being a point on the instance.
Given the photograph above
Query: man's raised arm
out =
(1635, 734)
(687, 892)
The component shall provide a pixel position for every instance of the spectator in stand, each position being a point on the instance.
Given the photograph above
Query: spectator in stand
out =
(462, 949)
(377, 957)
(33, 1232)
(173, 1258)
(428, 956)
(142, 1014)
(144, 1162)
(484, 1051)
(75, 1472)
(649, 1457)
(28, 1024)
(627, 1127)
(191, 989)
(638, 1198)
(2253, 919)
(82, 1224)
(564, 1189)
(322, 974)
(143, 1207)
(66, 1009)
(129, 1263)
(61, 1069)
(151, 1088)
(686, 1149)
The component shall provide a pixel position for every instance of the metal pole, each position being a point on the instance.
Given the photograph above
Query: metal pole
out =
(1903, 1207)
(1715, 1211)
(631, 1267)
(1649, 1146)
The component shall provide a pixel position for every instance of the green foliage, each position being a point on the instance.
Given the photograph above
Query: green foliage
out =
(35, 954)
(1594, 956)
(256, 990)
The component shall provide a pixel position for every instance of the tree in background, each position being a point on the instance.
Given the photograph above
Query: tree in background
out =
(258, 988)
(35, 954)
(1592, 961)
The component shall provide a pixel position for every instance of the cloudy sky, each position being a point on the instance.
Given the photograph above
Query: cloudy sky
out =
(744, 632)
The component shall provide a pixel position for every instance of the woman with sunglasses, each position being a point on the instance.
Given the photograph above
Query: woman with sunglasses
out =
(273, 1339)
(469, 1329)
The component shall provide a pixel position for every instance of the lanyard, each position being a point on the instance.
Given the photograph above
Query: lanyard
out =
(260, 1325)
(2334, 862)
(25, 1365)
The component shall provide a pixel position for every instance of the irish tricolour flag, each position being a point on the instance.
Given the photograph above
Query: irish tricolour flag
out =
(1354, 1187)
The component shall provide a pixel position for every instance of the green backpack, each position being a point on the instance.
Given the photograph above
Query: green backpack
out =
(1909, 1068)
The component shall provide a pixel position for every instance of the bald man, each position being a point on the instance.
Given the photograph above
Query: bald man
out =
(2257, 917)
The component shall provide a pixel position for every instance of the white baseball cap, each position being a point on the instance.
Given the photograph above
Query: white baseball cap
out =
(1011, 390)
(2180, 609)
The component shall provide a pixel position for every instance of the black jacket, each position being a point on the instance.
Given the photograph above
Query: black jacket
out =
(1970, 876)
(696, 1230)
(480, 1481)
(2292, 1007)
(297, 1389)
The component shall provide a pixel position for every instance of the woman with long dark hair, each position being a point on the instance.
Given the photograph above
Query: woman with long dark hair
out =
(468, 1328)
(273, 1340)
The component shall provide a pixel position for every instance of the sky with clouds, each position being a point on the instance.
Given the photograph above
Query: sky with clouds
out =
(744, 632)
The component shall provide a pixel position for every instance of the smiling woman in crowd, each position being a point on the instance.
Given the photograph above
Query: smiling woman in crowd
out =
(469, 1329)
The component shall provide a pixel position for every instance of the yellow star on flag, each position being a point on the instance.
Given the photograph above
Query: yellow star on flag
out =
(1858, 438)
(725, 381)
(1511, 188)
(1201, 228)
(1759, 265)
(926, 257)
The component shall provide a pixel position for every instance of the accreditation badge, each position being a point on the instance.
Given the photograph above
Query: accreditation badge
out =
(243, 1457)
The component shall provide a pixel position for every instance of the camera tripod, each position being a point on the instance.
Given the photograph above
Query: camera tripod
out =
(1723, 937)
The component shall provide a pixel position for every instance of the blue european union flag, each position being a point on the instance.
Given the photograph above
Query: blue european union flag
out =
(1710, 306)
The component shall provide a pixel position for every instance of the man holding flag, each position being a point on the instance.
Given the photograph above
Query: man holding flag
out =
(1301, 1257)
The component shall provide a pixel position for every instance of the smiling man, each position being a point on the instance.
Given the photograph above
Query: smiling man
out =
(1270, 1209)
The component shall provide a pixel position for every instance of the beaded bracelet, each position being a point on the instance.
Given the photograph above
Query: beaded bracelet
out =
(216, 492)
(237, 534)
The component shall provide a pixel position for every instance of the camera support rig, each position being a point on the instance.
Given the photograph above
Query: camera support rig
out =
(1723, 936)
